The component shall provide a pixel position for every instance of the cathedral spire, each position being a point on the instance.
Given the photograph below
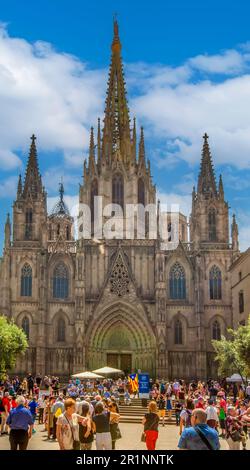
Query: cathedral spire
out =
(32, 183)
(116, 132)
(19, 187)
(141, 160)
(206, 182)
(134, 141)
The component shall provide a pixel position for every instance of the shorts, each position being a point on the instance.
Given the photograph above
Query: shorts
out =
(162, 413)
(222, 423)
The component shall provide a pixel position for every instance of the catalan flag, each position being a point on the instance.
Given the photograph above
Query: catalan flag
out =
(133, 382)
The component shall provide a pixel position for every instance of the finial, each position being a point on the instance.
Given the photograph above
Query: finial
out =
(33, 138)
(205, 137)
(116, 45)
(61, 190)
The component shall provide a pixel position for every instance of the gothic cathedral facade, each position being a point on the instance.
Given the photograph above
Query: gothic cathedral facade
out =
(121, 302)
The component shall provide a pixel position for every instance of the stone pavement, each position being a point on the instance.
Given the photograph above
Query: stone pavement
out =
(131, 439)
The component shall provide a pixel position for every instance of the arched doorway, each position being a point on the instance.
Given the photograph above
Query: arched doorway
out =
(121, 337)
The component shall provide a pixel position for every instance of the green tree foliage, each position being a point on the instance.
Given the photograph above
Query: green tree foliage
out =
(233, 355)
(13, 341)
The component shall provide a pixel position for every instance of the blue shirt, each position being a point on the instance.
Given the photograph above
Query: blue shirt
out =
(33, 406)
(20, 418)
(191, 440)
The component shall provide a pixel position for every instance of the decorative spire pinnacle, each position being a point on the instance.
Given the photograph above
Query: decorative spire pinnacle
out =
(99, 142)
(141, 160)
(235, 234)
(32, 183)
(92, 151)
(60, 209)
(221, 188)
(134, 140)
(7, 232)
(206, 182)
(19, 187)
(116, 132)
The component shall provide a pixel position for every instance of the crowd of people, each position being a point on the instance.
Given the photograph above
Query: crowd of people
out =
(77, 413)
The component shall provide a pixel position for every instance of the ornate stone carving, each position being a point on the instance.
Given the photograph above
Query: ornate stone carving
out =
(119, 278)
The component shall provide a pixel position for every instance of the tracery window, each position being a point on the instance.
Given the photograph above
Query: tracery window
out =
(177, 282)
(61, 282)
(216, 331)
(26, 281)
(118, 190)
(215, 283)
(178, 339)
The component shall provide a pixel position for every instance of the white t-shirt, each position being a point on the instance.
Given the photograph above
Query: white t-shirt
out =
(69, 429)
(212, 413)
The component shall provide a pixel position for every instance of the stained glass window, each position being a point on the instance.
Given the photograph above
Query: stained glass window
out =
(177, 282)
(60, 282)
(26, 281)
(215, 283)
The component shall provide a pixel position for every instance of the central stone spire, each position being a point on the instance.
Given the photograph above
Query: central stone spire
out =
(116, 131)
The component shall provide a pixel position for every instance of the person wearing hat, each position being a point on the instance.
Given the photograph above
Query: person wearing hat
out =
(20, 422)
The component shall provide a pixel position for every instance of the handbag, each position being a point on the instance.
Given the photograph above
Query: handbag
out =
(76, 444)
(236, 436)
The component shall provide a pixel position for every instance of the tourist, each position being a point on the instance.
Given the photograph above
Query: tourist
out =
(67, 429)
(30, 382)
(199, 436)
(33, 405)
(161, 402)
(186, 413)
(101, 422)
(6, 407)
(169, 406)
(56, 410)
(234, 429)
(86, 431)
(151, 423)
(178, 409)
(114, 423)
(20, 422)
(41, 407)
(212, 414)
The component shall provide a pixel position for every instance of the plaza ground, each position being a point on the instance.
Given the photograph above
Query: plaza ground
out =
(131, 439)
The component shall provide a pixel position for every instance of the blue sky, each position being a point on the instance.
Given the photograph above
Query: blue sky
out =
(187, 69)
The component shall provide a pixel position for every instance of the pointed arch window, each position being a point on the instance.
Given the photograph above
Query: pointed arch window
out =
(26, 326)
(212, 225)
(178, 337)
(177, 282)
(216, 330)
(141, 192)
(26, 281)
(28, 224)
(118, 190)
(93, 194)
(61, 282)
(215, 283)
(61, 328)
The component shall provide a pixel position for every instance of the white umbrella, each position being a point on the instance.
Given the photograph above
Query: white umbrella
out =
(235, 378)
(108, 371)
(86, 375)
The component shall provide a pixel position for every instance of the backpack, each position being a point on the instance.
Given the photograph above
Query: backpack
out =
(188, 419)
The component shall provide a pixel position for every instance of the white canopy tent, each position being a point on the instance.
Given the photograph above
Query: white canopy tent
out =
(87, 375)
(108, 371)
(235, 378)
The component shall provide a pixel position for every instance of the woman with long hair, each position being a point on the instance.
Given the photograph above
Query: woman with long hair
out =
(151, 425)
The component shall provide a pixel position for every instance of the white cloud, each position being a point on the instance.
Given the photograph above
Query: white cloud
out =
(8, 187)
(228, 62)
(46, 92)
